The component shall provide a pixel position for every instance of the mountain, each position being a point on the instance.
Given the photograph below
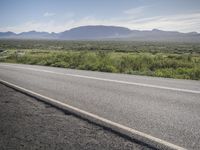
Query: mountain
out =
(94, 32)
(34, 35)
(7, 34)
(159, 35)
(101, 32)
(26, 35)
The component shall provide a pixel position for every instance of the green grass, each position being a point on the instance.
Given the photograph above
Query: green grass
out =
(114, 46)
(170, 65)
(161, 59)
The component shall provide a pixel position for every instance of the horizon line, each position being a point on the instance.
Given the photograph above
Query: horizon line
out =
(100, 25)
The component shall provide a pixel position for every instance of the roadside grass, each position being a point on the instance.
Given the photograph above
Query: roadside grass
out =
(170, 65)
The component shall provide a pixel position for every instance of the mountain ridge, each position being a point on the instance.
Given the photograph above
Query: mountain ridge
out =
(102, 32)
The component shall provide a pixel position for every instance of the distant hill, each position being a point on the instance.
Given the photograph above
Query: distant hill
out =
(34, 35)
(7, 34)
(101, 32)
(159, 35)
(94, 32)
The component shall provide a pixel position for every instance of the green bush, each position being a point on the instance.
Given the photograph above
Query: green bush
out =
(185, 66)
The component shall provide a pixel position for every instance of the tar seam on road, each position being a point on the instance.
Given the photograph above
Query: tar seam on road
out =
(109, 80)
(118, 128)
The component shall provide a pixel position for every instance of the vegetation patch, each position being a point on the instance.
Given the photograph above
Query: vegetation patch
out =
(160, 63)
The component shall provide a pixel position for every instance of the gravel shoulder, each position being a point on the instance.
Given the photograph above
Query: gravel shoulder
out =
(26, 123)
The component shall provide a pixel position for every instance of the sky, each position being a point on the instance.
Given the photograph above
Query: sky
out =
(60, 15)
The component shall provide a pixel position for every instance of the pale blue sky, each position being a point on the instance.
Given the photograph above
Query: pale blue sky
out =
(60, 15)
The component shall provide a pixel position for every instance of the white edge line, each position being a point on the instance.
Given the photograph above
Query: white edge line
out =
(130, 132)
(109, 80)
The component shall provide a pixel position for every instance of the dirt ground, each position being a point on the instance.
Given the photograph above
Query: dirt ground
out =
(26, 123)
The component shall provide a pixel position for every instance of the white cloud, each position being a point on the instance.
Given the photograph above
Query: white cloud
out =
(68, 15)
(135, 11)
(184, 23)
(48, 14)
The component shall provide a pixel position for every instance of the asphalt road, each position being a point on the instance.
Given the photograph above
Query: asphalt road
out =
(26, 123)
(168, 109)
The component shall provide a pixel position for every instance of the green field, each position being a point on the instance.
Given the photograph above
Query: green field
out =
(172, 60)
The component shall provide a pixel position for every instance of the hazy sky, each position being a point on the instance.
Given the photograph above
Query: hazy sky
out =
(60, 15)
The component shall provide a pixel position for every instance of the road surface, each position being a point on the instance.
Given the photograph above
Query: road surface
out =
(168, 109)
(30, 124)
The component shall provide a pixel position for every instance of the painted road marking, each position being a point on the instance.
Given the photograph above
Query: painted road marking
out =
(107, 80)
(95, 118)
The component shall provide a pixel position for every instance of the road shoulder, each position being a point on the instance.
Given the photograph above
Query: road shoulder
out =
(30, 124)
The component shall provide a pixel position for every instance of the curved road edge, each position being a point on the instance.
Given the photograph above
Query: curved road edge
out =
(118, 128)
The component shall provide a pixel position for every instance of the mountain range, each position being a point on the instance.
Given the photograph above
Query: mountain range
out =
(101, 32)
